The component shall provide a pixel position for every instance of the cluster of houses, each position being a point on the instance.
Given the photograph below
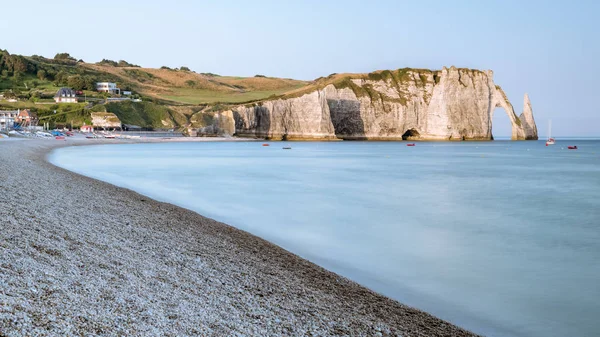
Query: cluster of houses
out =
(25, 118)
(10, 119)
(68, 95)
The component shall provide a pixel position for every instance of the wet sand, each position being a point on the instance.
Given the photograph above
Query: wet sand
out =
(83, 257)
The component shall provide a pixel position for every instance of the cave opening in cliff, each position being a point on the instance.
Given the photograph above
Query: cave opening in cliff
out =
(411, 134)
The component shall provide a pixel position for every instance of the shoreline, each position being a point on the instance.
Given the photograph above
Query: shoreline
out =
(87, 257)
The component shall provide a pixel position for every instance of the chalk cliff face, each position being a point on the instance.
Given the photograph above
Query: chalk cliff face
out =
(410, 104)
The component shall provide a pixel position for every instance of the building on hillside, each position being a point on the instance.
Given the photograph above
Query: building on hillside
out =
(86, 128)
(26, 118)
(127, 93)
(108, 87)
(106, 120)
(7, 119)
(65, 95)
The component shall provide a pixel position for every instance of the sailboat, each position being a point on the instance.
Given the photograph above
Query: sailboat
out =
(550, 140)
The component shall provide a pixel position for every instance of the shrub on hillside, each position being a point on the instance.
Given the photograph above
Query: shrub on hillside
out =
(63, 57)
(108, 63)
(41, 74)
(144, 114)
(123, 63)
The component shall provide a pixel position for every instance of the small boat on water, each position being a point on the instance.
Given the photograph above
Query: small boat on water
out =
(550, 140)
(265, 144)
(573, 147)
(411, 144)
(60, 137)
(287, 147)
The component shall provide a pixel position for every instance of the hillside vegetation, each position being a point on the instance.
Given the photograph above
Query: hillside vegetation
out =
(178, 86)
(172, 98)
(37, 78)
(167, 93)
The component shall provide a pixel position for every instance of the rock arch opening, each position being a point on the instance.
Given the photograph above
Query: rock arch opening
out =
(501, 127)
(411, 134)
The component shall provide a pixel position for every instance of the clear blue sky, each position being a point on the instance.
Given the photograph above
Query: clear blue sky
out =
(549, 49)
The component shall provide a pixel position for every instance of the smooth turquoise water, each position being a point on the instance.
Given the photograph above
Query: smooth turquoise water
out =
(500, 237)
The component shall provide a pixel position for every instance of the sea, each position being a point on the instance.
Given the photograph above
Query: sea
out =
(499, 237)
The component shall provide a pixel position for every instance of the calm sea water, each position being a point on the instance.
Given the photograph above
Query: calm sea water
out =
(501, 237)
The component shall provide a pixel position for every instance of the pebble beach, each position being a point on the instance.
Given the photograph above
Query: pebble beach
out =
(80, 257)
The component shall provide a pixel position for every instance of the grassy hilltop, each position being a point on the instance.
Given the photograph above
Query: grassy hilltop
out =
(41, 77)
(170, 96)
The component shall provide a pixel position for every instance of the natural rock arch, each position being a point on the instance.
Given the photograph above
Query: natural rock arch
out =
(523, 127)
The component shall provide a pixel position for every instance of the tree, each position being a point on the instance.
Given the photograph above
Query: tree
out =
(123, 63)
(63, 57)
(17, 78)
(50, 74)
(34, 96)
(41, 74)
(90, 83)
(76, 82)
(184, 69)
(18, 63)
(60, 78)
(108, 62)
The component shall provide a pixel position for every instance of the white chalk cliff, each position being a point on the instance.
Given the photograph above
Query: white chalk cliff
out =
(410, 104)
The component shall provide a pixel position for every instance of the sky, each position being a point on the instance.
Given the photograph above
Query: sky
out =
(548, 49)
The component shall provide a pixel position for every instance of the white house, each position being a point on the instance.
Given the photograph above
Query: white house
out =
(7, 119)
(109, 87)
(65, 95)
(126, 93)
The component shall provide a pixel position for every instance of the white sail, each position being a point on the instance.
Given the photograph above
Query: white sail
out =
(550, 140)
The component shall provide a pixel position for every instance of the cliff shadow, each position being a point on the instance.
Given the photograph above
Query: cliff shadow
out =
(346, 119)
(258, 123)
